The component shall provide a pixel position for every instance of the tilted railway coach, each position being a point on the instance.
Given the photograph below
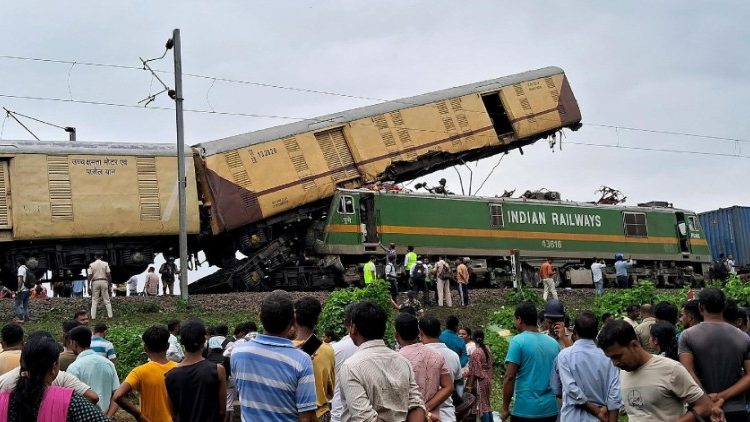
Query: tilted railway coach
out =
(258, 192)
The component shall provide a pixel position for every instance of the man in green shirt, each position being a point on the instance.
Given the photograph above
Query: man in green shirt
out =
(410, 259)
(369, 271)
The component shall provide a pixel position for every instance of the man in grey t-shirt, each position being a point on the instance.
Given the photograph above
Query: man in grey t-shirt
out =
(716, 353)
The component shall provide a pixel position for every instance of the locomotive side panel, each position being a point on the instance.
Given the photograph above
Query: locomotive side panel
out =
(68, 196)
(492, 227)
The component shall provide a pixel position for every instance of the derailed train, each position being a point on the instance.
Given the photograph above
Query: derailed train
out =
(262, 193)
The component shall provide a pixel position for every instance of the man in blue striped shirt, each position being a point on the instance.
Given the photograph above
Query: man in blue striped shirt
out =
(101, 345)
(274, 379)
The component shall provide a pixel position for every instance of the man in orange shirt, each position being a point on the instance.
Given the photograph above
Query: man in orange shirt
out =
(462, 277)
(547, 274)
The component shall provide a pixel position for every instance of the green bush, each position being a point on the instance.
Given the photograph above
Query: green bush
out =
(737, 290)
(332, 317)
(129, 347)
(498, 346)
(523, 294)
(504, 318)
(615, 301)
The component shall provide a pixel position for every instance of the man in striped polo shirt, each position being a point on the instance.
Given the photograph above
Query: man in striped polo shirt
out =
(101, 345)
(274, 379)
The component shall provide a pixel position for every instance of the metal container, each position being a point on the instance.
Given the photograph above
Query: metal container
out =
(728, 232)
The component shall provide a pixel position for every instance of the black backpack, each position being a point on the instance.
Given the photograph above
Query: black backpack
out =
(420, 272)
(30, 280)
(720, 270)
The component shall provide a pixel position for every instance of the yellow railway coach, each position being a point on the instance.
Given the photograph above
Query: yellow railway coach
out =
(102, 192)
(248, 178)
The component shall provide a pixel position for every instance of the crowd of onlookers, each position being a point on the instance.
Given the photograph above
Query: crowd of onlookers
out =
(659, 362)
(642, 364)
(199, 373)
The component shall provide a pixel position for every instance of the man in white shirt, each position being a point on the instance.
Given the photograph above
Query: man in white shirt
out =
(21, 304)
(133, 285)
(174, 351)
(429, 329)
(597, 271)
(343, 349)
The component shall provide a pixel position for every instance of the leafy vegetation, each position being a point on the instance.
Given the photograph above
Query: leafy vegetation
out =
(129, 347)
(332, 316)
(524, 294)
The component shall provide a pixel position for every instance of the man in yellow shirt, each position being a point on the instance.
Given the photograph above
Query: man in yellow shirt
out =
(148, 379)
(306, 313)
(370, 271)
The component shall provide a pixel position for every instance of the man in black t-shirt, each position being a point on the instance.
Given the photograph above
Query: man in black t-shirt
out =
(717, 355)
(197, 387)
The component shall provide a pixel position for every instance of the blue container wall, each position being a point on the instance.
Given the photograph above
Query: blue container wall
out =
(728, 232)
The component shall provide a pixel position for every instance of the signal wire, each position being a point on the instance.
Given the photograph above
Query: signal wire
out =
(254, 115)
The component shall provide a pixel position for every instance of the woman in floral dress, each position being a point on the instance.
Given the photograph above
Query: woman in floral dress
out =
(480, 377)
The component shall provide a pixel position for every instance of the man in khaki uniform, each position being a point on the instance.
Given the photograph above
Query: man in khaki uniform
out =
(100, 279)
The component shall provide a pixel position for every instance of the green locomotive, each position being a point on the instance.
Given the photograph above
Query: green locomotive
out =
(498, 234)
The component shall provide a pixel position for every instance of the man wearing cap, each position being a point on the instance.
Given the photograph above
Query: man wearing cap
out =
(168, 271)
(554, 314)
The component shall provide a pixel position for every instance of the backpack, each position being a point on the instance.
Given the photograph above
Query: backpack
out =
(720, 270)
(390, 271)
(420, 272)
(30, 280)
(446, 273)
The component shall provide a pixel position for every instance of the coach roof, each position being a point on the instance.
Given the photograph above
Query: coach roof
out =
(337, 119)
(88, 148)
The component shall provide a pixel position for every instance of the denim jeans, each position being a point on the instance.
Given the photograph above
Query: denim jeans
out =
(599, 287)
(22, 305)
(463, 292)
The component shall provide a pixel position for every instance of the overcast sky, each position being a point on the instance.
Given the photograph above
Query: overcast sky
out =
(668, 65)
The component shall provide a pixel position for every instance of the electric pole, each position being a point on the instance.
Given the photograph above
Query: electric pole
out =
(181, 178)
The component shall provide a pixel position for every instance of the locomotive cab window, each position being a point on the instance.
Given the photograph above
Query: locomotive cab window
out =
(694, 224)
(635, 224)
(496, 215)
(346, 205)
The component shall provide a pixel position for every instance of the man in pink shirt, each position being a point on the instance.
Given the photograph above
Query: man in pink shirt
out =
(430, 369)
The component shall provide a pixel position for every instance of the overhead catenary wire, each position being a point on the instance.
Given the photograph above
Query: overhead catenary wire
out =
(256, 115)
(344, 95)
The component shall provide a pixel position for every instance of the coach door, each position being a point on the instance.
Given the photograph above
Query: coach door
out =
(6, 221)
(682, 233)
(368, 218)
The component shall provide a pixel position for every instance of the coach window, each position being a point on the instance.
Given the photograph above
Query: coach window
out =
(694, 224)
(346, 206)
(496, 215)
(635, 224)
